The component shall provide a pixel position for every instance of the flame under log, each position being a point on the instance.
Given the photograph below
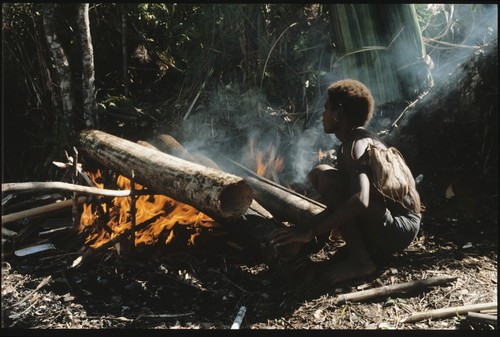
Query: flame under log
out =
(214, 192)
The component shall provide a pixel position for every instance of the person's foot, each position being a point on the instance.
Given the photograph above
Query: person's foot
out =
(347, 269)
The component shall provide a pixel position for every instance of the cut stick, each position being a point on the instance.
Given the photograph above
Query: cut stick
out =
(40, 210)
(394, 289)
(449, 312)
(56, 185)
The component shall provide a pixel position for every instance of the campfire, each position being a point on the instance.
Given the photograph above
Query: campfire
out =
(152, 195)
(166, 211)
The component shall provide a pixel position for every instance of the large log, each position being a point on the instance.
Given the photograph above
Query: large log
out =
(214, 192)
(169, 145)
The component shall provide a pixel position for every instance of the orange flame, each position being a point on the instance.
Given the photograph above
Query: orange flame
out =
(321, 155)
(267, 163)
(169, 212)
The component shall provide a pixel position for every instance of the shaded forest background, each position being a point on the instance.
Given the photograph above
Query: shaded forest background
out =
(216, 76)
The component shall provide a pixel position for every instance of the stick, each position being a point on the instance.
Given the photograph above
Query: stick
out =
(40, 210)
(239, 318)
(394, 289)
(449, 312)
(55, 185)
(482, 318)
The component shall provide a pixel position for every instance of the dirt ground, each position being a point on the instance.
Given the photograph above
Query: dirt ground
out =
(204, 286)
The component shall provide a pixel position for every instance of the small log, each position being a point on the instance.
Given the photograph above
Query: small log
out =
(168, 144)
(394, 289)
(476, 317)
(40, 210)
(55, 185)
(209, 190)
(283, 205)
(449, 312)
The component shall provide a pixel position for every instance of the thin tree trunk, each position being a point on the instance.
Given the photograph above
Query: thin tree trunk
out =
(88, 74)
(62, 68)
(124, 50)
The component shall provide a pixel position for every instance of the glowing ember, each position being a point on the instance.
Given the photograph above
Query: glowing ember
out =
(169, 213)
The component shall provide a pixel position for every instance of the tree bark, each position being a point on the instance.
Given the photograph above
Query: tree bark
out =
(209, 190)
(88, 74)
(62, 68)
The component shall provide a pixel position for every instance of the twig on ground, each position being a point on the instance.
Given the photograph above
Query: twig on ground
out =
(449, 312)
(394, 289)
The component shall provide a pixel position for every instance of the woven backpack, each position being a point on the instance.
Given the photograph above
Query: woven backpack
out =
(391, 175)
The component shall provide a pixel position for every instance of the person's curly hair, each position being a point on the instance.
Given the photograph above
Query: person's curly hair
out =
(354, 98)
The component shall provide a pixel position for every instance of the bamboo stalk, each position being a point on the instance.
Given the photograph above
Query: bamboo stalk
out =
(449, 312)
(394, 289)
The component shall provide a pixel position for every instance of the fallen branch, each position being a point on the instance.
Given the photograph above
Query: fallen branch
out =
(40, 210)
(449, 312)
(44, 282)
(481, 318)
(55, 185)
(394, 289)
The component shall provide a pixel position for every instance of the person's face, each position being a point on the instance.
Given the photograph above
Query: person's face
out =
(330, 118)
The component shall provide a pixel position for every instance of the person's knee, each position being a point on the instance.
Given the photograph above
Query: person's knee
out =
(317, 175)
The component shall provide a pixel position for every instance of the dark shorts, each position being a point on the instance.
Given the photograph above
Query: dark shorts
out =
(397, 233)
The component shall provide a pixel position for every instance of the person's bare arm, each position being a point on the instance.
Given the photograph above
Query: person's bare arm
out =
(346, 213)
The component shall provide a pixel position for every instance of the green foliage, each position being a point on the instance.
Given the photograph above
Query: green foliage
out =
(247, 62)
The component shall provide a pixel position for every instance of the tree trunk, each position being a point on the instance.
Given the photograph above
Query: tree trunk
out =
(211, 191)
(124, 50)
(62, 68)
(88, 74)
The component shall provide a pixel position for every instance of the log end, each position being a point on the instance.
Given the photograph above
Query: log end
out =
(235, 199)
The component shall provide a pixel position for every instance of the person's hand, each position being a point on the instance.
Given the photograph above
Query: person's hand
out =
(297, 234)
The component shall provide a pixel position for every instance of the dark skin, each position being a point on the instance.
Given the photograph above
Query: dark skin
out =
(352, 206)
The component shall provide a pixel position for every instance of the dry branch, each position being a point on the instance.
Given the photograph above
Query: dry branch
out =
(482, 318)
(40, 210)
(394, 289)
(55, 185)
(209, 190)
(449, 312)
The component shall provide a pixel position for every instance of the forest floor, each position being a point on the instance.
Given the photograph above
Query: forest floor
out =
(205, 285)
